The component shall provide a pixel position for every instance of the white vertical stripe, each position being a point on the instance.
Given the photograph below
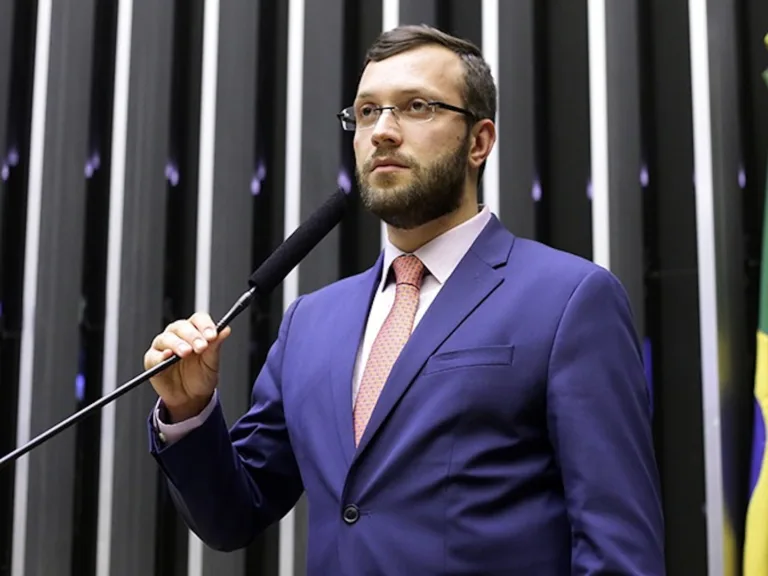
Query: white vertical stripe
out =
(31, 256)
(287, 547)
(390, 14)
(207, 156)
(293, 136)
(114, 265)
(490, 14)
(390, 18)
(598, 118)
(705, 244)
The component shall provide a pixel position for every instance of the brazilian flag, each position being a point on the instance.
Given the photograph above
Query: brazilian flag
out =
(756, 534)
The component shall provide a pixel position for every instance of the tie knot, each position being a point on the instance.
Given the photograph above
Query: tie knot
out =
(408, 270)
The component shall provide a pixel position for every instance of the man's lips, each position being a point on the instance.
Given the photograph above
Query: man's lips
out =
(387, 165)
(388, 168)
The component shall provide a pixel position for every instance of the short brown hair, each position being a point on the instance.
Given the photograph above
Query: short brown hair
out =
(479, 87)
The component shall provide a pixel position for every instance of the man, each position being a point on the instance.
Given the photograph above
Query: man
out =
(474, 403)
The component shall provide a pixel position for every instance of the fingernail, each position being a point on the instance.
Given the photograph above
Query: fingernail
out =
(184, 348)
(199, 344)
(210, 333)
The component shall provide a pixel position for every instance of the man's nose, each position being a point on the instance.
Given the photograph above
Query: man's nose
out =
(386, 129)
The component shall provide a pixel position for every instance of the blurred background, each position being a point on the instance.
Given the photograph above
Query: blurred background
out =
(153, 153)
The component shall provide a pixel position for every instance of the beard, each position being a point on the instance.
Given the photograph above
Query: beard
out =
(432, 191)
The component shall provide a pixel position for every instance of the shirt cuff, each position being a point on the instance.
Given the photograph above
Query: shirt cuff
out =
(170, 433)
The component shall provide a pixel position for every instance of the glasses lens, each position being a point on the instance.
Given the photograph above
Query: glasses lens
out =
(347, 118)
(419, 111)
(366, 116)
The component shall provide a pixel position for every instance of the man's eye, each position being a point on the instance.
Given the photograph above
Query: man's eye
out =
(418, 105)
(366, 111)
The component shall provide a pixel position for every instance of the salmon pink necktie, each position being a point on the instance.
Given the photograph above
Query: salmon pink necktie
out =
(409, 271)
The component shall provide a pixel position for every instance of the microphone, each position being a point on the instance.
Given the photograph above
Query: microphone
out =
(266, 277)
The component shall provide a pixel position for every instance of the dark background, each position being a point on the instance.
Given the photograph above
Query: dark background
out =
(98, 252)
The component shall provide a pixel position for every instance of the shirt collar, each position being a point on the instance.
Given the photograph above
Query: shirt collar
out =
(441, 255)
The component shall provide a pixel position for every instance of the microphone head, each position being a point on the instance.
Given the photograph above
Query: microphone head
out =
(300, 243)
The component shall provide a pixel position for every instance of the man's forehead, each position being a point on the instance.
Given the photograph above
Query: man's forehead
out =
(433, 69)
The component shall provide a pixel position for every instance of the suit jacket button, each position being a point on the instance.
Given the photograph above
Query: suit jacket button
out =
(351, 514)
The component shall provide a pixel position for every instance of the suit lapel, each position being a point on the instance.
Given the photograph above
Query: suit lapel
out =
(473, 281)
(350, 327)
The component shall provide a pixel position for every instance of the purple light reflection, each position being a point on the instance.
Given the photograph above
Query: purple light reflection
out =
(258, 178)
(344, 182)
(172, 173)
(536, 191)
(80, 387)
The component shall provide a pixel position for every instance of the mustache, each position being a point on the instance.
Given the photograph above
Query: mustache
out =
(398, 158)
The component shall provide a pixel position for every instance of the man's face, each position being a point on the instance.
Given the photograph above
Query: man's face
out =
(428, 179)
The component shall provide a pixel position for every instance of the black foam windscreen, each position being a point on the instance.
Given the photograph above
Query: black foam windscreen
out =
(300, 243)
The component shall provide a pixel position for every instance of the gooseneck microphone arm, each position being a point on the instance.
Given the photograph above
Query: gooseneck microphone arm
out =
(271, 272)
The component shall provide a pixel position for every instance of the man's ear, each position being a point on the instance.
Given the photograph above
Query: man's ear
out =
(481, 142)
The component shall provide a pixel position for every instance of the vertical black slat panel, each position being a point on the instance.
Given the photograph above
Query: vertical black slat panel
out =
(7, 9)
(360, 230)
(672, 305)
(321, 137)
(320, 164)
(93, 283)
(736, 400)
(464, 19)
(419, 12)
(46, 534)
(268, 171)
(624, 155)
(134, 480)
(232, 241)
(180, 235)
(566, 166)
(541, 120)
(269, 167)
(232, 230)
(13, 206)
(267, 217)
(518, 109)
(182, 167)
(7, 12)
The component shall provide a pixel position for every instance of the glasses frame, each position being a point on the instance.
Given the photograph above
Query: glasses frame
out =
(347, 114)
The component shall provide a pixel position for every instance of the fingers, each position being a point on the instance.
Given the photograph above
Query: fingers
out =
(204, 325)
(207, 328)
(153, 357)
(197, 335)
(185, 337)
(178, 340)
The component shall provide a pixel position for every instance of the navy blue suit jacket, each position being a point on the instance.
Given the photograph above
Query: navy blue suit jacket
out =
(512, 437)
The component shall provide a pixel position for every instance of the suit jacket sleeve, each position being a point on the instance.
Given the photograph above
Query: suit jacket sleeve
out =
(230, 485)
(599, 419)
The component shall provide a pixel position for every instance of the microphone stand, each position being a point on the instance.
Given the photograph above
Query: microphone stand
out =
(262, 281)
(242, 303)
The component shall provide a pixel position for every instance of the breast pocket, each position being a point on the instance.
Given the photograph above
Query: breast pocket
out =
(470, 358)
(485, 391)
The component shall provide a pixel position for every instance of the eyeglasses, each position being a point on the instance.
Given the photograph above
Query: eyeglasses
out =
(417, 111)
